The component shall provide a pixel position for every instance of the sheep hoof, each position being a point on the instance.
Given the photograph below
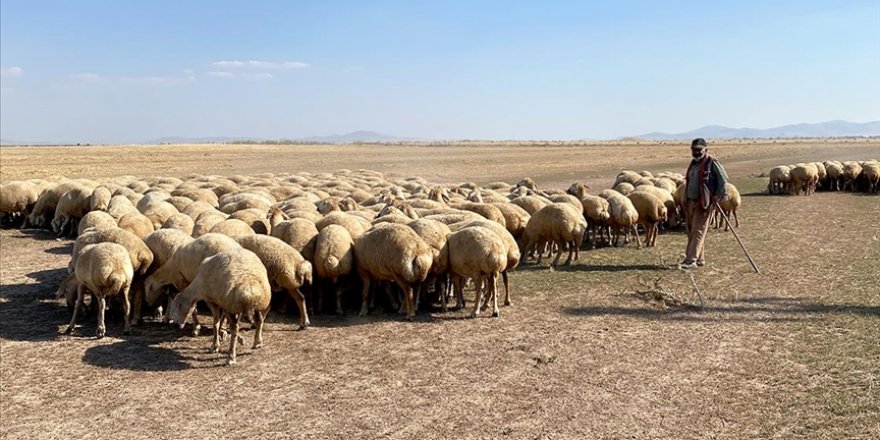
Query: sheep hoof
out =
(213, 349)
(303, 327)
(68, 330)
(230, 363)
(496, 314)
(362, 313)
(100, 333)
(196, 330)
(257, 346)
(507, 302)
(127, 332)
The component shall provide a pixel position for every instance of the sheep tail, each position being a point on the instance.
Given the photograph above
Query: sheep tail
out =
(332, 263)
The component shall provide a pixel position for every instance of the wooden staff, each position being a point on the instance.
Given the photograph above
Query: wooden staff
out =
(735, 235)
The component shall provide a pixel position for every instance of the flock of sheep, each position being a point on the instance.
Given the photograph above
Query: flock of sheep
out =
(230, 242)
(807, 178)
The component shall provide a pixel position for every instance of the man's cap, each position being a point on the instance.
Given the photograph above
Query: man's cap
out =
(699, 143)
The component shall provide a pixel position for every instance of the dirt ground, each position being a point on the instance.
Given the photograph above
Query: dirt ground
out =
(792, 352)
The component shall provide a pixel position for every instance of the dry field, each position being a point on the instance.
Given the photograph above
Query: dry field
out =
(793, 352)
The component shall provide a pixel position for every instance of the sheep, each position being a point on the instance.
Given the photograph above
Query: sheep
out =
(624, 188)
(100, 199)
(512, 250)
(334, 258)
(871, 173)
(355, 225)
(158, 211)
(834, 173)
(530, 204)
(568, 198)
(804, 178)
(232, 283)
(668, 201)
(477, 253)
(301, 234)
(71, 207)
(181, 268)
(180, 222)
(651, 211)
(180, 202)
(233, 228)
(624, 217)
(136, 223)
(729, 205)
(140, 254)
(558, 223)
(595, 210)
(780, 180)
(205, 221)
(287, 269)
(103, 269)
(255, 218)
(97, 220)
(120, 205)
(395, 253)
(163, 243)
(578, 189)
(195, 208)
(851, 171)
(515, 218)
(43, 212)
(17, 199)
(527, 182)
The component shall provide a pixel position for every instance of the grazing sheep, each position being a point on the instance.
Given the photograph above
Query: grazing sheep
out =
(301, 234)
(729, 205)
(531, 203)
(17, 199)
(595, 210)
(558, 223)
(163, 243)
(511, 250)
(233, 228)
(180, 202)
(140, 254)
(288, 270)
(477, 253)
(527, 182)
(651, 211)
(71, 207)
(668, 201)
(231, 283)
(103, 269)
(97, 220)
(624, 188)
(579, 190)
(158, 211)
(136, 223)
(355, 225)
(254, 218)
(395, 253)
(804, 178)
(568, 198)
(834, 173)
(334, 258)
(43, 212)
(205, 221)
(624, 217)
(119, 206)
(871, 173)
(515, 218)
(100, 199)
(180, 222)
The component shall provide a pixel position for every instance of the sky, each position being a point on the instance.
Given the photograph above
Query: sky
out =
(132, 71)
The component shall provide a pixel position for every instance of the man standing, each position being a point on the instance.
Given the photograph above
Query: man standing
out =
(704, 186)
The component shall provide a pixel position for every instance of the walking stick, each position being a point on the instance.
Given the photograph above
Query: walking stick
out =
(735, 235)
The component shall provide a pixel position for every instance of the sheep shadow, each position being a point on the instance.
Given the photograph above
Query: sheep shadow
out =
(66, 249)
(135, 354)
(758, 309)
(28, 312)
(576, 267)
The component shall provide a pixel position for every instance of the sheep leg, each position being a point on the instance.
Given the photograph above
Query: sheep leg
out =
(137, 301)
(300, 300)
(197, 326)
(477, 303)
(506, 288)
(459, 291)
(636, 235)
(126, 310)
(339, 310)
(102, 304)
(736, 218)
(409, 300)
(572, 251)
(233, 342)
(217, 314)
(365, 293)
(80, 293)
(556, 260)
(259, 317)
(493, 286)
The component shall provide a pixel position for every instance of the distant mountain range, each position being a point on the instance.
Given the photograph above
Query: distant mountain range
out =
(835, 128)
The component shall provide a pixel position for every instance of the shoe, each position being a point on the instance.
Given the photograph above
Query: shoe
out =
(688, 265)
(701, 263)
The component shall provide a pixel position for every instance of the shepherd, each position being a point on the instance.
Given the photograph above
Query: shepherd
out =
(704, 188)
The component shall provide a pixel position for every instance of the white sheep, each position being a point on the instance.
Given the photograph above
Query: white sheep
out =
(334, 259)
(394, 253)
(103, 269)
(232, 283)
(477, 253)
(558, 223)
(288, 270)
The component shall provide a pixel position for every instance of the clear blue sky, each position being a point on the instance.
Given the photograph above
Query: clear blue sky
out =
(127, 71)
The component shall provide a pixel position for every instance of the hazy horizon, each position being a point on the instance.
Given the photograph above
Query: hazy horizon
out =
(111, 72)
